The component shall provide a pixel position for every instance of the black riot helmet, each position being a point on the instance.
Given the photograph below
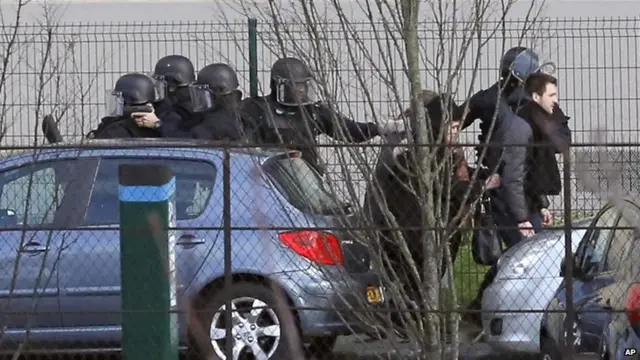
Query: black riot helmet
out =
(130, 91)
(292, 82)
(215, 85)
(173, 73)
(518, 63)
(176, 70)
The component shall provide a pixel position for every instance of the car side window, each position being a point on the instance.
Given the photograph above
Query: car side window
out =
(194, 186)
(31, 195)
(622, 239)
(593, 258)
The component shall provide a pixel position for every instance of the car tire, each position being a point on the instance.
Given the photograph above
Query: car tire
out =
(549, 350)
(322, 347)
(267, 329)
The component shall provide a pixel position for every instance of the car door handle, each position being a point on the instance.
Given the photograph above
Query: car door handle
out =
(34, 248)
(189, 241)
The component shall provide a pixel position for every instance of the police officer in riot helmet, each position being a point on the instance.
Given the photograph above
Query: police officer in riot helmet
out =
(497, 108)
(292, 115)
(215, 99)
(177, 72)
(130, 109)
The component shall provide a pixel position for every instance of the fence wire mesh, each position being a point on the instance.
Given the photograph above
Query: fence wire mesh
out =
(92, 260)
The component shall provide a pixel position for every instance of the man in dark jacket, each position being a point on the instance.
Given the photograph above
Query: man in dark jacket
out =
(291, 114)
(504, 139)
(130, 110)
(502, 128)
(550, 137)
(216, 99)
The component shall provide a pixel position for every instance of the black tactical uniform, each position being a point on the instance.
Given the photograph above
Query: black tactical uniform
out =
(215, 98)
(291, 115)
(132, 93)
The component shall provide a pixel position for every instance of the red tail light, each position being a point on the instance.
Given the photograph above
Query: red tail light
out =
(322, 248)
(633, 304)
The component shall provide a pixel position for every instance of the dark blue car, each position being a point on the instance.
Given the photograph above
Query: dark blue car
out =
(599, 256)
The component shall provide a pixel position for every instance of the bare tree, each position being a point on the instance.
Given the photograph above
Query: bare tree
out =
(370, 66)
(38, 49)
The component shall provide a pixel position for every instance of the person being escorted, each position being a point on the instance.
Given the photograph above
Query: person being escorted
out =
(398, 181)
(291, 114)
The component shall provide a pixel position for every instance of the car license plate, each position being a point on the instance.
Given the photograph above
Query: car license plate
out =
(374, 294)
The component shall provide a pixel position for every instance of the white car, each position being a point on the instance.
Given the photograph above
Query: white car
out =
(528, 277)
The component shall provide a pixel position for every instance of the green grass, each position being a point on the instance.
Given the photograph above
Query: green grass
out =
(467, 275)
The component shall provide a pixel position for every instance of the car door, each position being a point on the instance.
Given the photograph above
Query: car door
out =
(606, 286)
(37, 201)
(93, 297)
(598, 262)
(591, 251)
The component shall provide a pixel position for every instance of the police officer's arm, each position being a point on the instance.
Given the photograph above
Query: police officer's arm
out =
(340, 127)
(479, 103)
(516, 136)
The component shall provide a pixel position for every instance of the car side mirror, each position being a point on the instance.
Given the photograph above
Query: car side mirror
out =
(8, 218)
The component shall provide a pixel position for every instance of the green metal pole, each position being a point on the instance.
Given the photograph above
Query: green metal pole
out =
(147, 261)
(253, 57)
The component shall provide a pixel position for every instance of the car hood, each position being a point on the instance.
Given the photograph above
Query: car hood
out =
(551, 242)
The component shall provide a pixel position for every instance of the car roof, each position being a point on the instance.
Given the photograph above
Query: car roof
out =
(158, 143)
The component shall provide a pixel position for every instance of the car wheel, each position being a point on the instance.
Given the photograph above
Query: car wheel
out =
(258, 325)
(322, 347)
(549, 350)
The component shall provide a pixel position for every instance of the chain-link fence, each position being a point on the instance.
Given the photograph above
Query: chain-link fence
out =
(143, 244)
(88, 262)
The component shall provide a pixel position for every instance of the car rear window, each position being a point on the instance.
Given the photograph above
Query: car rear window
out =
(303, 186)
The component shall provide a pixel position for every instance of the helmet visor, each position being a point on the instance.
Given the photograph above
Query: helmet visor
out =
(161, 86)
(296, 93)
(548, 68)
(525, 64)
(201, 97)
(114, 103)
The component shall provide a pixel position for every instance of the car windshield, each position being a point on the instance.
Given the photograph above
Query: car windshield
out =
(303, 186)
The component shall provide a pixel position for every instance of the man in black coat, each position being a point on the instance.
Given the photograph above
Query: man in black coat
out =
(504, 142)
(551, 135)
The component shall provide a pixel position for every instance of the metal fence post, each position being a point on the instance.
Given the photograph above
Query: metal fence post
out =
(253, 57)
(226, 223)
(568, 254)
(147, 261)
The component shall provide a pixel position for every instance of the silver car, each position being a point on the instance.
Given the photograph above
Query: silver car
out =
(60, 284)
(528, 277)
